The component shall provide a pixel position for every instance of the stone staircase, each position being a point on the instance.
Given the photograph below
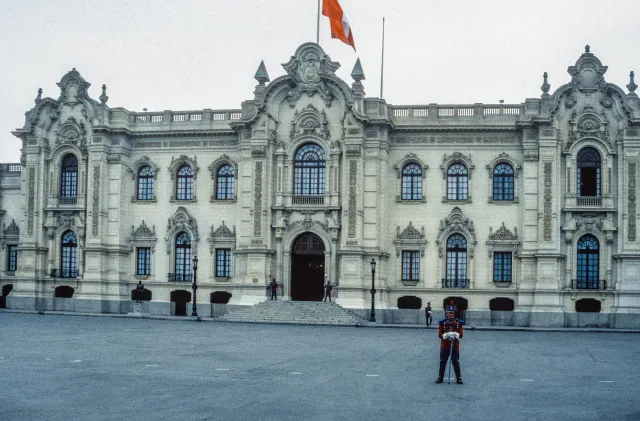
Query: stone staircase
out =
(294, 312)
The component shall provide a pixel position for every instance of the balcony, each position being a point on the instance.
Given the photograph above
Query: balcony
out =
(179, 277)
(592, 284)
(64, 273)
(588, 203)
(455, 283)
(68, 200)
(307, 200)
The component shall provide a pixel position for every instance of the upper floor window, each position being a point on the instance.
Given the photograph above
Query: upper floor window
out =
(503, 182)
(588, 262)
(184, 186)
(412, 182)
(69, 176)
(225, 183)
(588, 173)
(12, 258)
(456, 262)
(309, 169)
(145, 183)
(183, 258)
(69, 255)
(457, 182)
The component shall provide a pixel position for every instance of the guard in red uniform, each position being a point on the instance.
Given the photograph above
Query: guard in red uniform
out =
(450, 332)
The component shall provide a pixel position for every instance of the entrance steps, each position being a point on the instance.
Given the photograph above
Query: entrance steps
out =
(295, 312)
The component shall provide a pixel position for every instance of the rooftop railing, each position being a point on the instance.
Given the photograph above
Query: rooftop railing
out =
(186, 116)
(437, 111)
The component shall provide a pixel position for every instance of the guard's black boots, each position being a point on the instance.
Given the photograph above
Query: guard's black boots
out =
(456, 369)
(443, 366)
(439, 380)
(459, 381)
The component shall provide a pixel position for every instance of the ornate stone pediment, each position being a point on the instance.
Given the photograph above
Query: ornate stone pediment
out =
(10, 234)
(73, 87)
(143, 236)
(309, 122)
(223, 232)
(409, 233)
(456, 223)
(307, 68)
(587, 74)
(503, 240)
(588, 124)
(181, 221)
(71, 132)
(222, 237)
(503, 234)
(409, 238)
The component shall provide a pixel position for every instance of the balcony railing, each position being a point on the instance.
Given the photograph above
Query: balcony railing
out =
(64, 273)
(179, 277)
(68, 200)
(455, 283)
(308, 200)
(589, 284)
(591, 202)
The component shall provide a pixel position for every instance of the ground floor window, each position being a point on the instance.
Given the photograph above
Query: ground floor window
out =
(12, 258)
(143, 261)
(223, 263)
(502, 267)
(410, 265)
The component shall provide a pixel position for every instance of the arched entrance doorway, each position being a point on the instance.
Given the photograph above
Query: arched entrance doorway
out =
(307, 268)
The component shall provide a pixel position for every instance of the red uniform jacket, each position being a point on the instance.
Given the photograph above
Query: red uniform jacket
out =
(447, 326)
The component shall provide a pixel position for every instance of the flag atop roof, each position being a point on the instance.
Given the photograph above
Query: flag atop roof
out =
(340, 27)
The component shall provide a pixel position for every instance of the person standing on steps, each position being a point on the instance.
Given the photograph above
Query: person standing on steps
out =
(427, 313)
(450, 332)
(274, 289)
(327, 290)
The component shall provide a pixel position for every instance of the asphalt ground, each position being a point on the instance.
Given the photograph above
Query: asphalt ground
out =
(98, 368)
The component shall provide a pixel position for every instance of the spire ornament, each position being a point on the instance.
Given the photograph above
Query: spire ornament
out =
(632, 85)
(261, 74)
(587, 49)
(545, 86)
(104, 98)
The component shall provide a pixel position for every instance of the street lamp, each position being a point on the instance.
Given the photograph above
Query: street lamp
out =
(372, 319)
(194, 285)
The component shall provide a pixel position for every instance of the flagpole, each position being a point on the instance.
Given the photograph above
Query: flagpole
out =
(318, 25)
(382, 65)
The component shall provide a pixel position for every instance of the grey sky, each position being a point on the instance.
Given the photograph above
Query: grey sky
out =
(194, 54)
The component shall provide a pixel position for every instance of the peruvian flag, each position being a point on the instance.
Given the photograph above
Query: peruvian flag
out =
(340, 27)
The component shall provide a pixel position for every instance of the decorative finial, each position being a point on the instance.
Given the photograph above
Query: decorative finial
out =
(357, 73)
(587, 49)
(261, 74)
(104, 98)
(632, 85)
(545, 86)
(39, 97)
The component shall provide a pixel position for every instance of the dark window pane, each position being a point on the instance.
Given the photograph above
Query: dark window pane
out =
(309, 171)
(143, 264)
(145, 183)
(69, 176)
(225, 183)
(184, 187)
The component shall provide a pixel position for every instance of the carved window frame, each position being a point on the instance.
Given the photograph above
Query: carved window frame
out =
(55, 173)
(604, 249)
(135, 170)
(176, 164)
(179, 222)
(410, 239)
(447, 162)
(410, 158)
(504, 158)
(213, 169)
(606, 165)
(503, 241)
(10, 237)
(142, 237)
(221, 238)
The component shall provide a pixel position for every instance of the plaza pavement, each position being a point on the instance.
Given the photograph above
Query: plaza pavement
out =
(104, 368)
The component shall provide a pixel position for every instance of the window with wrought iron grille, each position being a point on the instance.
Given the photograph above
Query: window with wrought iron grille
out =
(503, 182)
(309, 171)
(502, 266)
(411, 182)
(223, 263)
(225, 183)
(12, 258)
(69, 176)
(183, 257)
(588, 172)
(184, 180)
(410, 265)
(457, 182)
(145, 183)
(456, 262)
(69, 255)
(588, 261)
(143, 261)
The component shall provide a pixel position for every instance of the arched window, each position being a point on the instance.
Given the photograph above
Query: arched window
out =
(457, 182)
(456, 262)
(69, 255)
(225, 183)
(503, 182)
(309, 164)
(588, 173)
(588, 262)
(145, 183)
(184, 186)
(183, 258)
(412, 182)
(69, 177)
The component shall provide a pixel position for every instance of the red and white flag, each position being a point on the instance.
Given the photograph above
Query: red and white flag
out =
(340, 27)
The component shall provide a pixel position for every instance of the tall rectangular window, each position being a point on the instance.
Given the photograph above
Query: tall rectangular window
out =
(12, 258)
(223, 263)
(410, 265)
(143, 261)
(502, 267)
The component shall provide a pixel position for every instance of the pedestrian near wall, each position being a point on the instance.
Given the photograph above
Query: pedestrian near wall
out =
(427, 313)
(274, 289)
(327, 290)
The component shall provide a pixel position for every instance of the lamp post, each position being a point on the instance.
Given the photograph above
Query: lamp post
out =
(194, 285)
(372, 319)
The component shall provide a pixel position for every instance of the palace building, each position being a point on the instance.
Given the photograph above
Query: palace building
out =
(523, 209)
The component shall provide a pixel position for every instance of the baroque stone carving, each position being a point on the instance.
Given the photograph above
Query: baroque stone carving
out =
(222, 236)
(631, 203)
(456, 158)
(257, 199)
(353, 173)
(409, 233)
(72, 132)
(31, 177)
(308, 68)
(409, 238)
(11, 234)
(143, 236)
(503, 240)
(456, 222)
(547, 201)
(309, 122)
(181, 221)
(95, 217)
(503, 233)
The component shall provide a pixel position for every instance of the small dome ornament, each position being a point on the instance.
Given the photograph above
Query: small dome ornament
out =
(632, 85)
(261, 74)
(545, 86)
(104, 98)
(587, 49)
(38, 99)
